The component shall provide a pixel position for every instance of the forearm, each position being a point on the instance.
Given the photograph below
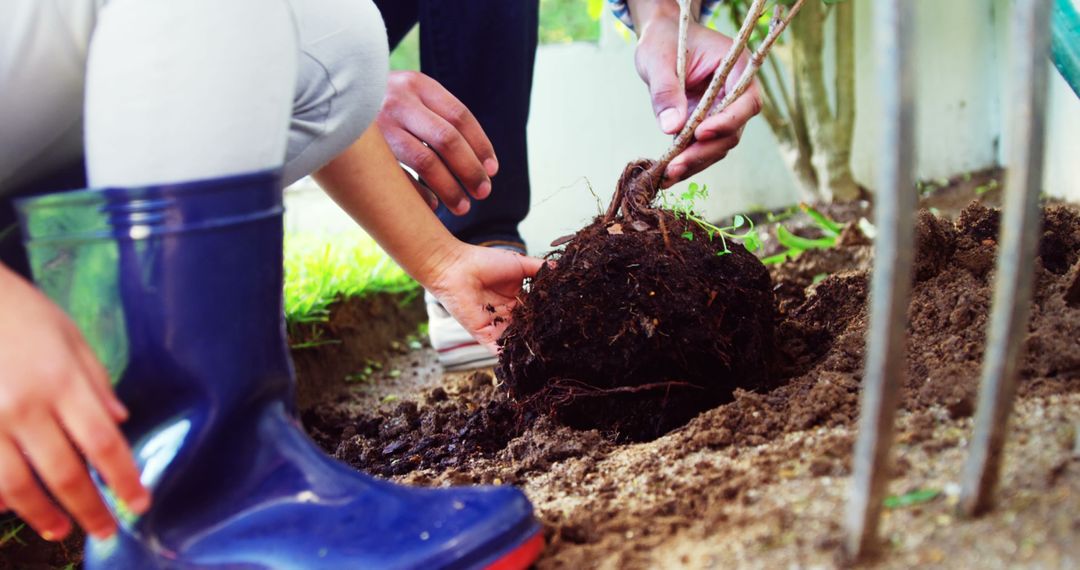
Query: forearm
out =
(367, 182)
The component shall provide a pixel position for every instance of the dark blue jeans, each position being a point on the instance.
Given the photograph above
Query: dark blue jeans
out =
(482, 51)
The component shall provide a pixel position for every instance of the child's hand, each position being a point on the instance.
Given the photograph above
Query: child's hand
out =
(479, 286)
(56, 406)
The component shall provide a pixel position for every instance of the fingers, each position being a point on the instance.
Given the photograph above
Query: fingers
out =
(99, 381)
(432, 132)
(453, 149)
(657, 67)
(731, 120)
(698, 157)
(97, 436)
(445, 105)
(429, 165)
(64, 474)
(422, 189)
(530, 265)
(21, 492)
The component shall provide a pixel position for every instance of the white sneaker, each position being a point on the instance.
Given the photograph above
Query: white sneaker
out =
(457, 350)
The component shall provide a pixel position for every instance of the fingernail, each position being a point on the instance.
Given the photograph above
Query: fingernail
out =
(669, 120)
(491, 166)
(706, 135)
(120, 410)
(56, 532)
(103, 533)
(676, 171)
(140, 504)
(462, 208)
(484, 190)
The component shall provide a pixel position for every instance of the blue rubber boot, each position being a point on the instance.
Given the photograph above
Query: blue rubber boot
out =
(178, 290)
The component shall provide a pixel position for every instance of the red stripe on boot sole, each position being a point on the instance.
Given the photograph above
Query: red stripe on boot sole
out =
(521, 557)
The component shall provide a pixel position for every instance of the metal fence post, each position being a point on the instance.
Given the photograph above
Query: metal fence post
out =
(1018, 244)
(891, 282)
(890, 288)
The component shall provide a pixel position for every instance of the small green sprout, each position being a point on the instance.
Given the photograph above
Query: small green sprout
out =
(796, 245)
(683, 207)
(915, 497)
(10, 533)
(984, 188)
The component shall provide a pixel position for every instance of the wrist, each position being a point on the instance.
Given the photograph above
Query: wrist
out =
(646, 12)
(441, 256)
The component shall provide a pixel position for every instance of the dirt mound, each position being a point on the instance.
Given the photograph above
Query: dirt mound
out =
(820, 338)
(636, 332)
(437, 433)
(947, 321)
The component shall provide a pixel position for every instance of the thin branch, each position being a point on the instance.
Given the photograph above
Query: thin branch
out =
(776, 27)
(651, 172)
(684, 30)
(718, 80)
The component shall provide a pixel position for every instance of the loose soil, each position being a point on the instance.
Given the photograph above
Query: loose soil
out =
(759, 481)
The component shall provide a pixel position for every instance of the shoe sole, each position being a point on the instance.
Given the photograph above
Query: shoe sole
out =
(467, 356)
(522, 556)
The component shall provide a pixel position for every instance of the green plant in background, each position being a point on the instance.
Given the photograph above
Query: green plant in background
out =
(683, 206)
(813, 129)
(322, 269)
(566, 21)
(796, 244)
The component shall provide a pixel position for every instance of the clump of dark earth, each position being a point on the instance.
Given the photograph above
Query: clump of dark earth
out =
(435, 433)
(638, 328)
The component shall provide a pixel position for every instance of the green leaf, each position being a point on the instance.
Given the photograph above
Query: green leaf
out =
(751, 242)
(915, 497)
(819, 278)
(738, 222)
(775, 259)
(822, 221)
(800, 244)
(689, 236)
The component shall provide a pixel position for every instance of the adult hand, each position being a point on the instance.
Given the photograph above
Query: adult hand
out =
(655, 59)
(432, 132)
(53, 394)
(479, 286)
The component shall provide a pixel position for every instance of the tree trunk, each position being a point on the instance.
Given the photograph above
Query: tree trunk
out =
(829, 133)
(841, 183)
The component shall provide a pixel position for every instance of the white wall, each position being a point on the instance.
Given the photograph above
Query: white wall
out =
(591, 115)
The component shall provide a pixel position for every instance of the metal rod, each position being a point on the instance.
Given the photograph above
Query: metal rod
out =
(891, 285)
(1019, 243)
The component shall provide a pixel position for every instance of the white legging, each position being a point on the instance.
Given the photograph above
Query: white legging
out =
(156, 91)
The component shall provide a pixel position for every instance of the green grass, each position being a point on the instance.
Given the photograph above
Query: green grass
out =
(320, 270)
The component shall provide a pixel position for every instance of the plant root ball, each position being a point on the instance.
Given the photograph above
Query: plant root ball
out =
(634, 334)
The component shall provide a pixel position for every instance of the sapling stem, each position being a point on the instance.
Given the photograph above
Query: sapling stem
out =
(651, 175)
(719, 78)
(776, 27)
(684, 30)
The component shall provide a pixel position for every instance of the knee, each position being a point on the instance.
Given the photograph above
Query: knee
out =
(344, 64)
